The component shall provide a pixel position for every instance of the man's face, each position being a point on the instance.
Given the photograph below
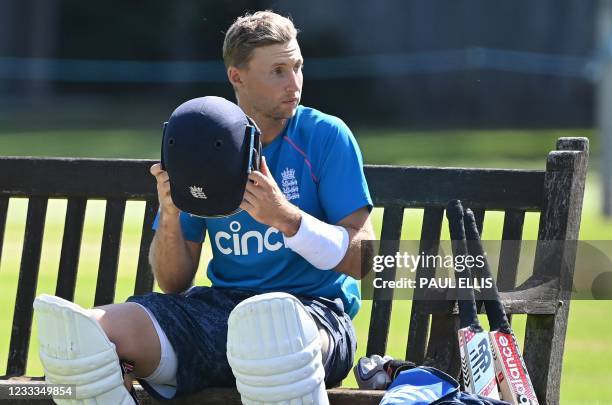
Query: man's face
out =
(272, 81)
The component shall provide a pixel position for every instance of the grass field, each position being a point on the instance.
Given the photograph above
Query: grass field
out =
(588, 356)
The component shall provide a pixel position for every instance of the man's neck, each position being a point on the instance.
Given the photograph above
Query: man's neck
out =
(270, 128)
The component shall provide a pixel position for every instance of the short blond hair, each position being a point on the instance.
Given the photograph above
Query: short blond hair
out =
(251, 31)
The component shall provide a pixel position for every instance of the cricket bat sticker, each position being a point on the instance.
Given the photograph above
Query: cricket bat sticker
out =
(514, 381)
(477, 365)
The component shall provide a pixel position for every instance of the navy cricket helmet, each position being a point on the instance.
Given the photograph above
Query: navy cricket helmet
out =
(209, 147)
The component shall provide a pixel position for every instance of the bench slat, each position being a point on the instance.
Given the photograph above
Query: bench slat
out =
(510, 251)
(4, 202)
(130, 179)
(88, 178)
(144, 276)
(230, 396)
(380, 319)
(419, 318)
(209, 396)
(26, 289)
(71, 248)
(492, 189)
(443, 348)
(513, 304)
(109, 254)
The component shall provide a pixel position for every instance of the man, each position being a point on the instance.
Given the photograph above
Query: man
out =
(309, 203)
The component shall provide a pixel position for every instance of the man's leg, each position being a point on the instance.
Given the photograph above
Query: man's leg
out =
(142, 345)
(337, 337)
(274, 349)
(83, 347)
(132, 331)
(75, 350)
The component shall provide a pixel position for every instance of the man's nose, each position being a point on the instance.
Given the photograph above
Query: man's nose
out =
(294, 83)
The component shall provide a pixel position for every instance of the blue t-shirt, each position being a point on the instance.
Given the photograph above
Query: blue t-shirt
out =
(318, 166)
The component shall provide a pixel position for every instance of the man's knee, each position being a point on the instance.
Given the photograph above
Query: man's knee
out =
(132, 331)
(274, 349)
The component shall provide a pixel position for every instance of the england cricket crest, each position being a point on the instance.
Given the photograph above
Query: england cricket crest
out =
(289, 184)
(197, 192)
(477, 363)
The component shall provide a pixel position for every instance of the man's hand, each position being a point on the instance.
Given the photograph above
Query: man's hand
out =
(174, 260)
(265, 202)
(166, 205)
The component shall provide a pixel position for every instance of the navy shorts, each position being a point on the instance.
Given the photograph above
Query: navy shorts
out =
(196, 325)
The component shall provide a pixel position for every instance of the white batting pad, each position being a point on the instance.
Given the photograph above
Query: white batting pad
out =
(75, 350)
(274, 349)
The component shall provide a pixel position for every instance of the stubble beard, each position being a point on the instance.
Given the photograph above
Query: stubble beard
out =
(278, 114)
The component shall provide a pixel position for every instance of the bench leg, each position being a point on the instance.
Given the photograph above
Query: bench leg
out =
(543, 352)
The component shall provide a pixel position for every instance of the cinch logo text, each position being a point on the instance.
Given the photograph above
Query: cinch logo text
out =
(238, 245)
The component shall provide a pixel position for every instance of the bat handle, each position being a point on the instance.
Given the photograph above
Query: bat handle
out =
(467, 305)
(493, 305)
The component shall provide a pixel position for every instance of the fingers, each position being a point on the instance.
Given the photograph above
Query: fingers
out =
(160, 174)
(163, 177)
(254, 189)
(246, 205)
(163, 188)
(156, 169)
(252, 195)
(259, 178)
(164, 194)
(264, 168)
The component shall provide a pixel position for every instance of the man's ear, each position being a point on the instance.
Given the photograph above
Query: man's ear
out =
(234, 76)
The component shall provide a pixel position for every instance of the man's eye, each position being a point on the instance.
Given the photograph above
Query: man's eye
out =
(278, 71)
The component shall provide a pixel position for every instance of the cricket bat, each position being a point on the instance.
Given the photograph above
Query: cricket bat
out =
(511, 372)
(477, 367)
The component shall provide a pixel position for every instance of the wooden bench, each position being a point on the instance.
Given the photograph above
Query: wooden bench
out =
(555, 193)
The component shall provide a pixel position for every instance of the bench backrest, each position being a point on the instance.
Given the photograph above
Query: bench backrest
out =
(555, 193)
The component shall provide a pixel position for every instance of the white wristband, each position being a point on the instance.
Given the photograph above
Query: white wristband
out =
(323, 245)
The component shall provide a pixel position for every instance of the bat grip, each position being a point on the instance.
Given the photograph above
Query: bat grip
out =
(493, 305)
(467, 304)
